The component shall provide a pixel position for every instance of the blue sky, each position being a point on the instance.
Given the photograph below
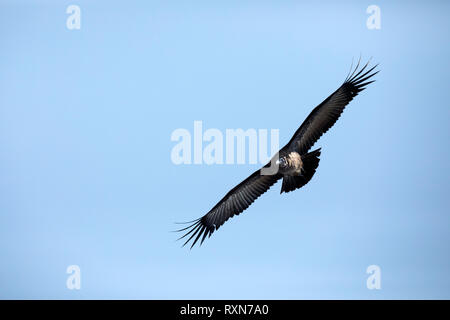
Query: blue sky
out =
(87, 179)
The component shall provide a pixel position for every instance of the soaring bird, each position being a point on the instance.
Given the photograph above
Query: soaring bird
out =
(293, 163)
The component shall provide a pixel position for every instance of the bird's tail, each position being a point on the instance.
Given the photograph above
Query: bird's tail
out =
(310, 164)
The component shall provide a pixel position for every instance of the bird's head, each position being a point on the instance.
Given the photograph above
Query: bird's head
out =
(282, 162)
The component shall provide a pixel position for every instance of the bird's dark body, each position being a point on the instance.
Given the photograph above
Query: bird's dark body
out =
(296, 165)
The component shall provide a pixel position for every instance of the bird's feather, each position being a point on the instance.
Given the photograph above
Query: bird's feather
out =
(235, 201)
(325, 115)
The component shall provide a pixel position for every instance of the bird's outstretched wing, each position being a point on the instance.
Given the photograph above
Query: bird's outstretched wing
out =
(326, 114)
(236, 200)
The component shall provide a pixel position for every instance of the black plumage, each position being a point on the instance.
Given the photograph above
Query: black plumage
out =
(297, 166)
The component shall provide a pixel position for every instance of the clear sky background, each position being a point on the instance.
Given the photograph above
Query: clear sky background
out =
(86, 176)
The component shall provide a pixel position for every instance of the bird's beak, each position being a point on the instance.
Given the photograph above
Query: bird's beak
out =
(277, 162)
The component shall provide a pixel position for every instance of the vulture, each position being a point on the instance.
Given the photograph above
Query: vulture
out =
(294, 163)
